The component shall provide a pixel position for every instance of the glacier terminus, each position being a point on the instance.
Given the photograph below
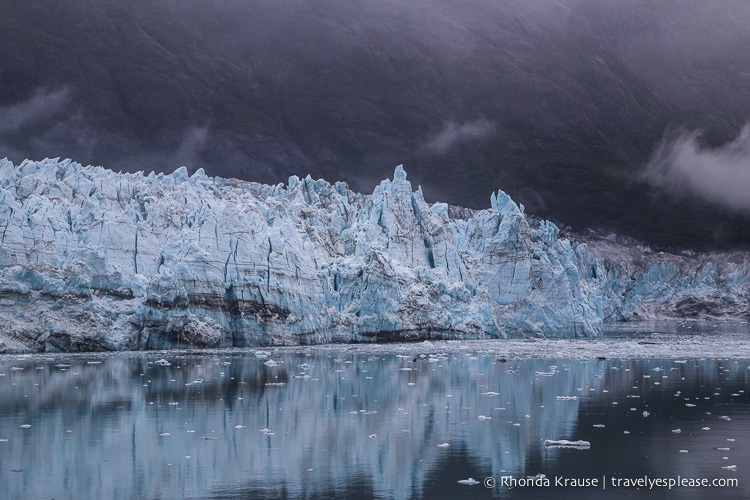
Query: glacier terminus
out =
(91, 259)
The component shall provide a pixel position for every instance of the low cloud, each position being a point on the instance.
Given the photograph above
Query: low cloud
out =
(38, 108)
(194, 141)
(684, 166)
(453, 134)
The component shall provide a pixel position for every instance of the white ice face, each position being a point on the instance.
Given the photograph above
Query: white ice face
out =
(92, 259)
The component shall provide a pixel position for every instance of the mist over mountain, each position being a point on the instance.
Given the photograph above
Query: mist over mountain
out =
(587, 112)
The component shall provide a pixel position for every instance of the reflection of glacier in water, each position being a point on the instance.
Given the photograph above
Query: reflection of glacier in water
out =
(355, 423)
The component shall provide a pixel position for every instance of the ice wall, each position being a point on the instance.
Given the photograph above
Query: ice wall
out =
(92, 259)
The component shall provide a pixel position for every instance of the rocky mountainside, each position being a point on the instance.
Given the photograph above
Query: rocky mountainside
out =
(91, 259)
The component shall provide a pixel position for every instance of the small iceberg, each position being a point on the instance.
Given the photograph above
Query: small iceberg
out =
(471, 481)
(564, 443)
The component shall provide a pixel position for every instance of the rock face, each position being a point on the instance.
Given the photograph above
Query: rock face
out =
(92, 260)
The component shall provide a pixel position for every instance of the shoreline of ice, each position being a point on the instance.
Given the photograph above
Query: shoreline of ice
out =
(670, 346)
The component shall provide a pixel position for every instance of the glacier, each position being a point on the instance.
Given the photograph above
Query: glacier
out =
(91, 259)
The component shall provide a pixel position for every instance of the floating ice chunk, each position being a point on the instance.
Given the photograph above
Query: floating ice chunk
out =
(25, 426)
(723, 449)
(164, 434)
(676, 431)
(564, 443)
(162, 362)
(470, 482)
(706, 428)
(443, 445)
(262, 354)
(599, 426)
(484, 417)
(271, 363)
(566, 398)
(724, 417)
(372, 436)
(239, 426)
(683, 451)
(626, 432)
(690, 405)
(730, 467)
(645, 414)
(490, 393)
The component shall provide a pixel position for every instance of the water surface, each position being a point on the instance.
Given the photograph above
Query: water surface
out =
(348, 423)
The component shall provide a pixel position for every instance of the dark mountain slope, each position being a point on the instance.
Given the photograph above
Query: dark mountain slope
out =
(558, 103)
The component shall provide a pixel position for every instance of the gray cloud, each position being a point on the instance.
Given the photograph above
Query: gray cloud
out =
(719, 175)
(39, 107)
(194, 141)
(454, 133)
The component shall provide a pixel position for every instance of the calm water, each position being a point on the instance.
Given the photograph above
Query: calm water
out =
(352, 424)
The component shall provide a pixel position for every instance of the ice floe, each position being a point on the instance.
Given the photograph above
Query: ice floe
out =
(564, 443)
